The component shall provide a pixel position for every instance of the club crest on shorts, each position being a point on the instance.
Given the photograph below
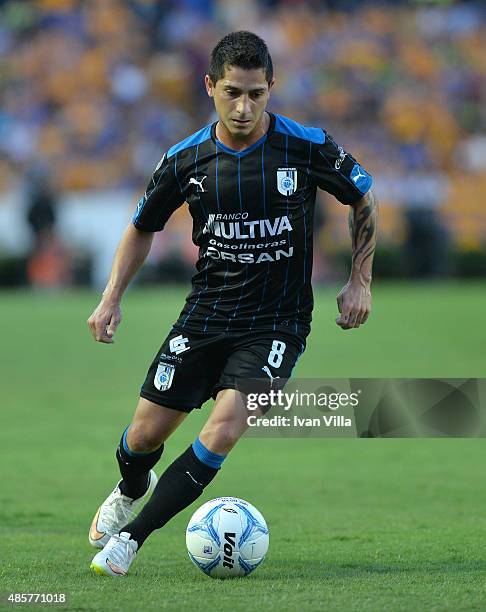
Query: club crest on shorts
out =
(163, 377)
(287, 180)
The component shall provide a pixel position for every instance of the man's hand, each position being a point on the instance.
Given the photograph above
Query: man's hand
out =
(354, 299)
(354, 304)
(130, 255)
(104, 321)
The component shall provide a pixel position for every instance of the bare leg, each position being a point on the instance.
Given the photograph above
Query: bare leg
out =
(227, 422)
(185, 479)
(142, 445)
(152, 425)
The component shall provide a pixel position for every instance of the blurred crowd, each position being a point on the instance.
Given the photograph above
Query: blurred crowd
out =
(97, 90)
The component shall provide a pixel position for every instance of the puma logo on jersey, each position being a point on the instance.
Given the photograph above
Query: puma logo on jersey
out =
(361, 178)
(198, 183)
(358, 176)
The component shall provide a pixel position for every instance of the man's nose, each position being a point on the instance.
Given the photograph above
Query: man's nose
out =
(243, 105)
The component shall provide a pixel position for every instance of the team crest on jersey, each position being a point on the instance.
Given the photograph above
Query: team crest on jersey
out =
(164, 375)
(287, 180)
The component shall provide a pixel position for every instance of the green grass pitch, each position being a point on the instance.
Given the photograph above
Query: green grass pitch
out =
(365, 525)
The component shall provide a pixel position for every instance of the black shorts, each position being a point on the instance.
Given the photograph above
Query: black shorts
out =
(191, 367)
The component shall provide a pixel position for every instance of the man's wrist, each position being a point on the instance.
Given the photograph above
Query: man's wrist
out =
(358, 276)
(112, 295)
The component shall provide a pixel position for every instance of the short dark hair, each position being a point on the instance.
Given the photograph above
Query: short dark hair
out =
(243, 49)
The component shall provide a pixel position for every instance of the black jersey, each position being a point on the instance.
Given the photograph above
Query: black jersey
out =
(252, 216)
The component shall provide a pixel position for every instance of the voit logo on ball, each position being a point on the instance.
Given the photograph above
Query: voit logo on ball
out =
(227, 537)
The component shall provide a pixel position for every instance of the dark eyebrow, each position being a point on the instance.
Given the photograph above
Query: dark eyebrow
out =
(257, 89)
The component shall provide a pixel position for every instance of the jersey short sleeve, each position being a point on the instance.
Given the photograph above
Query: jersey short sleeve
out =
(338, 173)
(162, 197)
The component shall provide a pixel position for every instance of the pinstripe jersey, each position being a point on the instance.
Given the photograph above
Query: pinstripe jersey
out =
(252, 214)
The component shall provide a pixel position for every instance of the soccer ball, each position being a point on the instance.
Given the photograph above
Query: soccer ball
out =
(227, 537)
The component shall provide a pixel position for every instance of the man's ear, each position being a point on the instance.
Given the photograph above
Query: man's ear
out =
(209, 85)
(271, 84)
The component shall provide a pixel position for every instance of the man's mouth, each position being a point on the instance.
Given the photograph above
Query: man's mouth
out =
(242, 121)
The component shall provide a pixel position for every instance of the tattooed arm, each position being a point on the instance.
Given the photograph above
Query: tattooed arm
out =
(354, 299)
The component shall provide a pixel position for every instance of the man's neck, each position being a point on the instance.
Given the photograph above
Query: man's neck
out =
(239, 144)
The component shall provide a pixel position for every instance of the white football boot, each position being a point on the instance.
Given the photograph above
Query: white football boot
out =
(115, 512)
(116, 557)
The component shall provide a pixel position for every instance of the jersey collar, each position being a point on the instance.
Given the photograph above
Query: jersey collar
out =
(249, 149)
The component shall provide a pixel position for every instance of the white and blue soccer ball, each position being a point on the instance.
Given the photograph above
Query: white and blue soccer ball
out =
(227, 537)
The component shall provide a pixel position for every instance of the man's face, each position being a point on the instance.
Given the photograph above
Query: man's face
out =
(240, 98)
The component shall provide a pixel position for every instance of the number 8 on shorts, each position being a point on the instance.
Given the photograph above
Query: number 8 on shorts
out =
(276, 354)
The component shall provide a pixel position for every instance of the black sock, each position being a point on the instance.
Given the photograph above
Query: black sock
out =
(135, 468)
(181, 484)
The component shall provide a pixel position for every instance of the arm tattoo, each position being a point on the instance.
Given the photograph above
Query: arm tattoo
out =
(363, 222)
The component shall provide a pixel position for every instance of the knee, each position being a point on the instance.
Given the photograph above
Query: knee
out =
(142, 440)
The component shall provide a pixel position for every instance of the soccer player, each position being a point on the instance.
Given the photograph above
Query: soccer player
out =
(250, 182)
